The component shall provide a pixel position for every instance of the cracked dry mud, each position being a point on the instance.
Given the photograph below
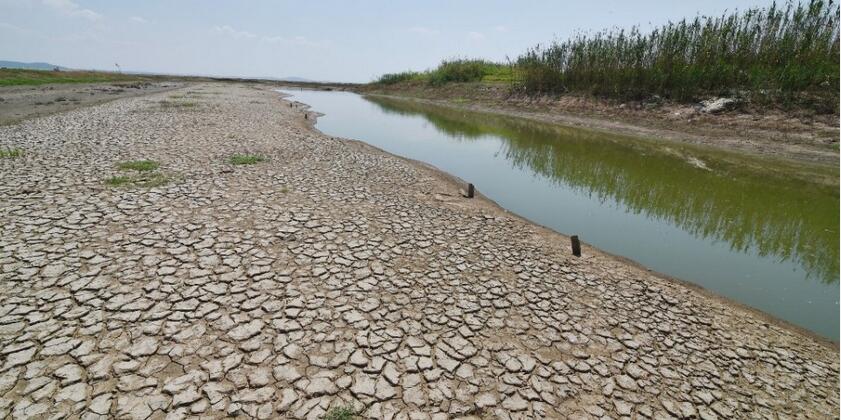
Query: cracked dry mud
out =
(333, 274)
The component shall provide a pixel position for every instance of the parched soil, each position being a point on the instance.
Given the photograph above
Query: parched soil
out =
(21, 102)
(792, 135)
(333, 274)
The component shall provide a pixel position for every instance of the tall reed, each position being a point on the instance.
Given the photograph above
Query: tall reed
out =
(770, 53)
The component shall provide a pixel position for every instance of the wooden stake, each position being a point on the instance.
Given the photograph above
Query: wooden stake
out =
(576, 245)
(471, 190)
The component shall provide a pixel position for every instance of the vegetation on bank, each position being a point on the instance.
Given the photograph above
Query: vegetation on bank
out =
(787, 54)
(456, 70)
(21, 77)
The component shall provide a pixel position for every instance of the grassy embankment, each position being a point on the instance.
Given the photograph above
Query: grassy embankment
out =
(786, 56)
(21, 77)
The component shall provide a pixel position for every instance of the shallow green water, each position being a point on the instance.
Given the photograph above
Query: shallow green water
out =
(757, 231)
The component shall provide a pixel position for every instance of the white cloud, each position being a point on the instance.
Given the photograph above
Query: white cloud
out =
(70, 8)
(423, 30)
(475, 36)
(138, 19)
(227, 30)
(501, 28)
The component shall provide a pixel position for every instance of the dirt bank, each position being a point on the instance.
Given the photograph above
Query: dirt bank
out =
(767, 132)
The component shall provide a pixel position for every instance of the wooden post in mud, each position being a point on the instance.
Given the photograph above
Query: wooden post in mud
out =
(576, 245)
(471, 190)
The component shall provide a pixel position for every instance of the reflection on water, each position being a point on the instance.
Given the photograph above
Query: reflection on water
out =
(787, 220)
(757, 231)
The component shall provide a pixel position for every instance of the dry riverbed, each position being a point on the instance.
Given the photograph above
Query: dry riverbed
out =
(332, 274)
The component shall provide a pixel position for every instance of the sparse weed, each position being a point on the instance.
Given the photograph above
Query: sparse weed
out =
(118, 181)
(152, 181)
(138, 165)
(175, 104)
(10, 153)
(145, 181)
(145, 175)
(245, 159)
(341, 413)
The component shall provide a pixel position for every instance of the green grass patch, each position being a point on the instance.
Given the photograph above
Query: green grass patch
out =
(143, 175)
(177, 104)
(341, 413)
(138, 165)
(152, 181)
(145, 181)
(245, 159)
(19, 77)
(118, 181)
(10, 153)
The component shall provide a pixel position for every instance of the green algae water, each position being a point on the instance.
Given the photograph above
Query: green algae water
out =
(758, 231)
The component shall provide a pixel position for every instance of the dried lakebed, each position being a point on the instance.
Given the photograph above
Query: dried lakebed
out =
(332, 274)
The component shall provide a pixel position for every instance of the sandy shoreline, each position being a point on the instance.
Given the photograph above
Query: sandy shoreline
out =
(335, 273)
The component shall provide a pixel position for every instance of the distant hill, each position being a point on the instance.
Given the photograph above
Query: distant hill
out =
(28, 66)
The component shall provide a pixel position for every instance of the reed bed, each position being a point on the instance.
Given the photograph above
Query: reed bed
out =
(787, 54)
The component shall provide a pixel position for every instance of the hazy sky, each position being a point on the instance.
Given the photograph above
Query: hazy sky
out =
(323, 40)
